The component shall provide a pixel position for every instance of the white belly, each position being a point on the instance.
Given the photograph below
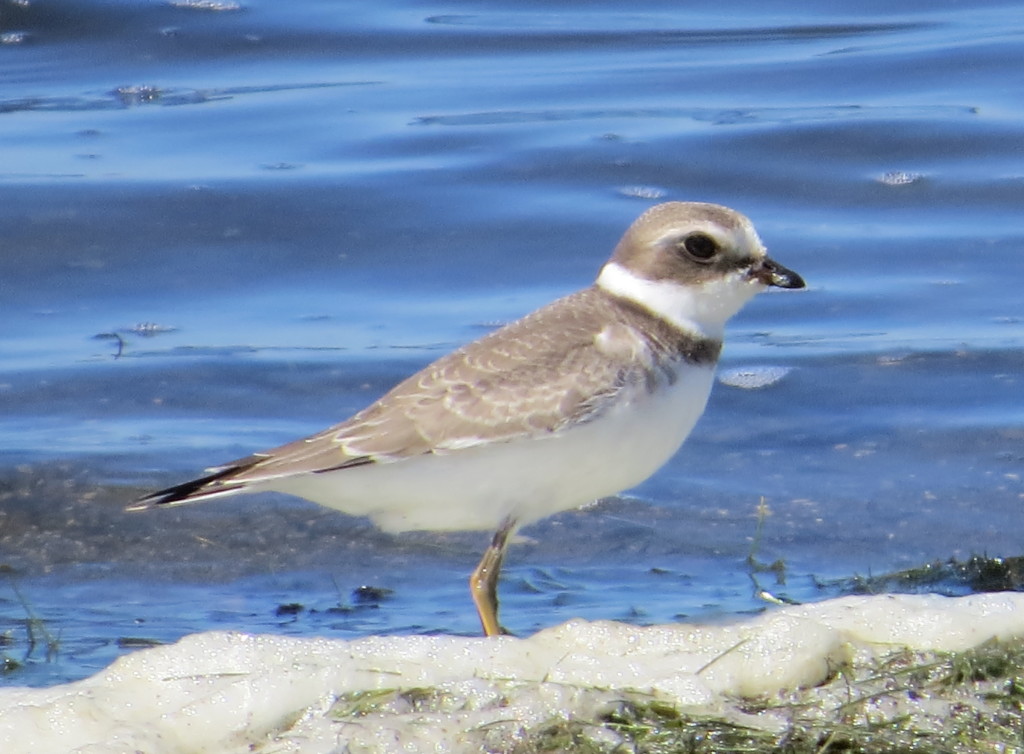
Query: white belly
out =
(526, 480)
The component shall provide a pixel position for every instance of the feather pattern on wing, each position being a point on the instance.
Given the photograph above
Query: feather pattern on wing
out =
(541, 374)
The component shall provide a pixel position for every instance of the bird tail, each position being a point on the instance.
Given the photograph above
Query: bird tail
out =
(215, 484)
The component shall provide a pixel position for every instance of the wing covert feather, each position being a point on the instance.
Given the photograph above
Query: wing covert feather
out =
(560, 366)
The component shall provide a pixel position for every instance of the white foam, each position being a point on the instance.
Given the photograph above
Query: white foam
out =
(232, 692)
(753, 377)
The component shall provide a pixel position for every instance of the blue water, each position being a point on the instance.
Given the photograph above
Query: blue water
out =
(225, 225)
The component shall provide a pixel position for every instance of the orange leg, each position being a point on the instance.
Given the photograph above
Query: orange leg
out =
(483, 584)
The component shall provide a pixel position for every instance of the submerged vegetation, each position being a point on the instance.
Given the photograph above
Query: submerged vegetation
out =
(978, 573)
(903, 701)
(36, 631)
(899, 701)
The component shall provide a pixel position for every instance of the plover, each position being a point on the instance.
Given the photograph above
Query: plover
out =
(583, 398)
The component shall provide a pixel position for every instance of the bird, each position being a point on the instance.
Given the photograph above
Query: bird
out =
(582, 399)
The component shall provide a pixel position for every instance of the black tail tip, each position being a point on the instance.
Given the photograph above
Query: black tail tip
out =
(192, 491)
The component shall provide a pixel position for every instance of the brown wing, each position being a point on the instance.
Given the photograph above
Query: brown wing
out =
(534, 376)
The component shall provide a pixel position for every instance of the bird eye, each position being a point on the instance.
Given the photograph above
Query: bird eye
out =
(699, 247)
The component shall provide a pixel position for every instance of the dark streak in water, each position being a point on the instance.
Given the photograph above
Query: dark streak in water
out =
(732, 116)
(132, 96)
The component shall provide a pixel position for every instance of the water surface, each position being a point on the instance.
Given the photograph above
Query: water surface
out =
(229, 224)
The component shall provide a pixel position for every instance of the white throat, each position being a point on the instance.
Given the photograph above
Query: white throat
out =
(702, 309)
